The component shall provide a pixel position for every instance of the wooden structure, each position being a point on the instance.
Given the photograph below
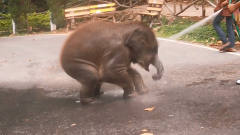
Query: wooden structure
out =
(153, 9)
(203, 4)
(87, 11)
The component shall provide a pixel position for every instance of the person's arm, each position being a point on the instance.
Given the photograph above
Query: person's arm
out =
(233, 7)
(224, 3)
(220, 5)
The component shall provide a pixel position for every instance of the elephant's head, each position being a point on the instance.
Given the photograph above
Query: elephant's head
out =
(143, 47)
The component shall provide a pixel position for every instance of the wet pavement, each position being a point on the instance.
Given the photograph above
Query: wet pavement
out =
(196, 96)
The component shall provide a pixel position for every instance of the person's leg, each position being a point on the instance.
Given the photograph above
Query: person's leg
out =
(217, 27)
(229, 47)
(230, 31)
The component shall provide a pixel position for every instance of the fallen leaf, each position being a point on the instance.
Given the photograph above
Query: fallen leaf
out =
(147, 134)
(149, 109)
(77, 101)
(144, 130)
(219, 42)
(73, 125)
(237, 43)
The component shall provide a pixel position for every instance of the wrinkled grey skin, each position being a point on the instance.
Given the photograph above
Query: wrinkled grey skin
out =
(100, 52)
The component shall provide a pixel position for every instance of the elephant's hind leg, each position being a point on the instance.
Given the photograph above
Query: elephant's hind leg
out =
(88, 76)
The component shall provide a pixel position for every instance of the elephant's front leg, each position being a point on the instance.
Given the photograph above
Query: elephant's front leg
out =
(98, 92)
(138, 81)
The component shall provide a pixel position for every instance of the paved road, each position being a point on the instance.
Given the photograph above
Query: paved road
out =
(197, 95)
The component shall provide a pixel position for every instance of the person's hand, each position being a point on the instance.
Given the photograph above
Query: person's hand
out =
(225, 3)
(231, 8)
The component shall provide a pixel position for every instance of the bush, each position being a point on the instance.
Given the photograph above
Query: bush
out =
(205, 34)
(39, 21)
(5, 23)
(177, 26)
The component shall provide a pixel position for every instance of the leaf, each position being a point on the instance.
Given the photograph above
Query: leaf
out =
(144, 130)
(237, 43)
(149, 109)
(147, 134)
(73, 125)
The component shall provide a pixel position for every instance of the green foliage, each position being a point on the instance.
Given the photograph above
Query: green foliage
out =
(5, 23)
(13, 6)
(57, 9)
(58, 17)
(18, 7)
(177, 26)
(3, 7)
(164, 20)
(205, 34)
(39, 21)
(18, 10)
(40, 5)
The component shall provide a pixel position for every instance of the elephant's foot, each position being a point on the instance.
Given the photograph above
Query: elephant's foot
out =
(128, 95)
(97, 95)
(86, 101)
(142, 91)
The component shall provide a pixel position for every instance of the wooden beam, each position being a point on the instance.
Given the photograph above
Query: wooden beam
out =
(90, 7)
(181, 7)
(154, 9)
(174, 6)
(73, 14)
(169, 9)
(212, 4)
(155, 1)
(203, 8)
(189, 5)
(97, 11)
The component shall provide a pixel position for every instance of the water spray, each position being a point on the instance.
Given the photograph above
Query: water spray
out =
(196, 25)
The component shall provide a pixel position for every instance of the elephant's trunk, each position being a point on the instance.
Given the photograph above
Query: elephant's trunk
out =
(159, 67)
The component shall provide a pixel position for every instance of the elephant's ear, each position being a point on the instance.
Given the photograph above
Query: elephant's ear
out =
(136, 39)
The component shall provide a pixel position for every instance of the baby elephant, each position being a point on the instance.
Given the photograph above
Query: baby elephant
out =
(100, 52)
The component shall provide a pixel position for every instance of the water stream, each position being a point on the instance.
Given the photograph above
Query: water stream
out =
(196, 25)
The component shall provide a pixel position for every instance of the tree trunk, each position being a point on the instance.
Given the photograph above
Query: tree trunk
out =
(27, 24)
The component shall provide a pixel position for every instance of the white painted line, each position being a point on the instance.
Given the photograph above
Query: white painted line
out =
(31, 35)
(60, 34)
(197, 45)
(164, 39)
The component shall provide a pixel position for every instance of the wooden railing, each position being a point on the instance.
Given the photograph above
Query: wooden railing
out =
(89, 10)
(86, 11)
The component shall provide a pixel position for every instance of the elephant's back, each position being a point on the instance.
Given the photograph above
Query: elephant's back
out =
(90, 42)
